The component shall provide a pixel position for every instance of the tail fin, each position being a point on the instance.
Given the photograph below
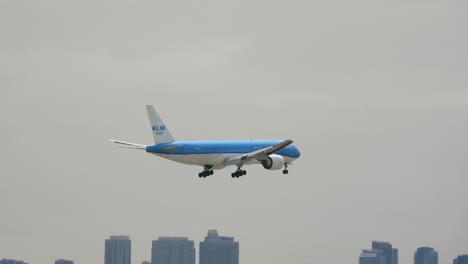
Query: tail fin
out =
(160, 132)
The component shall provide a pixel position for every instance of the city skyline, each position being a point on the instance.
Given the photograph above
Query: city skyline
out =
(181, 250)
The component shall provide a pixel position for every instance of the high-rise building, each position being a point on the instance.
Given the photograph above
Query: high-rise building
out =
(395, 256)
(426, 255)
(390, 253)
(63, 261)
(218, 249)
(371, 257)
(118, 250)
(11, 261)
(463, 259)
(173, 250)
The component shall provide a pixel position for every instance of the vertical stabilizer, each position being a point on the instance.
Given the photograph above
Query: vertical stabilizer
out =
(160, 132)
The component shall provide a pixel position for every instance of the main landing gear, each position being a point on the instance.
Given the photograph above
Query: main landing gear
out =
(206, 172)
(238, 173)
(285, 171)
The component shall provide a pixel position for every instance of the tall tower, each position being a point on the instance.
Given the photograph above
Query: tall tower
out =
(390, 254)
(118, 250)
(426, 255)
(173, 250)
(218, 249)
(463, 259)
(11, 261)
(371, 257)
(63, 261)
(395, 256)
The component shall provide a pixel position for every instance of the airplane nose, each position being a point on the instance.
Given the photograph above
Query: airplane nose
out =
(298, 153)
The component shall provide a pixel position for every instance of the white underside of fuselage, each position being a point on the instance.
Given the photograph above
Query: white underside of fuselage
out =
(218, 161)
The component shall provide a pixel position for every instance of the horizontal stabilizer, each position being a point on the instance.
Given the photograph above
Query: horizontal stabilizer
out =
(127, 144)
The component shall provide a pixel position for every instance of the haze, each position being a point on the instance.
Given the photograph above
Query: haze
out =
(374, 93)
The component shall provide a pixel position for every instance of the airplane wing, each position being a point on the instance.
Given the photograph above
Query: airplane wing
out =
(259, 154)
(123, 144)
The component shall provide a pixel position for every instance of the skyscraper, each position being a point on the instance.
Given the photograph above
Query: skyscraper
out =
(11, 261)
(395, 256)
(118, 250)
(390, 254)
(463, 259)
(173, 250)
(371, 257)
(63, 261)
(426, 255)
(218, 249)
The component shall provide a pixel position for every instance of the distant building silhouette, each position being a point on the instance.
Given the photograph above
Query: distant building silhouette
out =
(390, 253)
(11, 261)
(463, 259)
(145, 262)
(371, 257)
(173, 250)
(63, 261)
(218, 249)
(118, 250)
(426, 255)
(395, 256)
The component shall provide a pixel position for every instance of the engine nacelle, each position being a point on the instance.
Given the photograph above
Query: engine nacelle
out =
(273, 162)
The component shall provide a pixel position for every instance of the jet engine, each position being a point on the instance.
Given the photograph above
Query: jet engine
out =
(273, 162)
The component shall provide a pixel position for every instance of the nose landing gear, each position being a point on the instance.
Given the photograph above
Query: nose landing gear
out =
(285, 171)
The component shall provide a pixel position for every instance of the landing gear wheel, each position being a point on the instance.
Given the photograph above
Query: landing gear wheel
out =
(238, 173)
(206, 172)
(285, 171)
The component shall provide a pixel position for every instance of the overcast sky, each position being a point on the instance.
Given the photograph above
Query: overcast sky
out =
(374, 93)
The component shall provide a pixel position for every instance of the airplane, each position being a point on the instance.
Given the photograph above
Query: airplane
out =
(216, 155)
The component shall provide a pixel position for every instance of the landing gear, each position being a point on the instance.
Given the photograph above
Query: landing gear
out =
(285, 171)
(206, 172)
(238, 173)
